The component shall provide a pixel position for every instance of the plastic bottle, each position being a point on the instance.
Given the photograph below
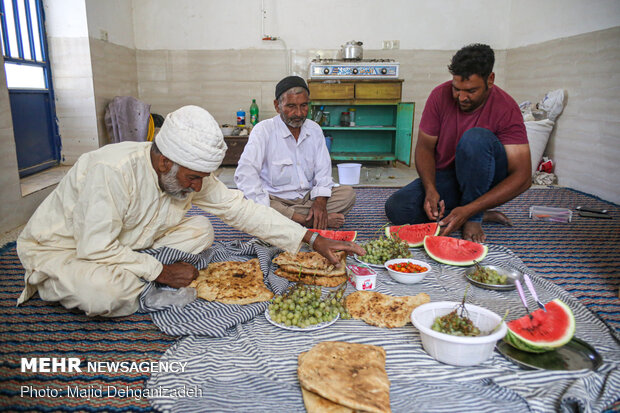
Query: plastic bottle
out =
(253, 112)
(240, 117)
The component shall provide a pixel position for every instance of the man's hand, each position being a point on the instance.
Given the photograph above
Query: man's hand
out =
(326, 247)
(458, 216)
(431, 201)
(318, 213)
(177, 275)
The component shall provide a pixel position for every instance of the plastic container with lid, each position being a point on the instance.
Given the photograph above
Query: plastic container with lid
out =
(362, 277)
(550, 214)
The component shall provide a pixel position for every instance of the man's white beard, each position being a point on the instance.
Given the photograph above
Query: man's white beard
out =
(171, 185)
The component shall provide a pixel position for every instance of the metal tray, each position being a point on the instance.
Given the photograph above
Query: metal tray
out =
(511, 275)
(575, 355)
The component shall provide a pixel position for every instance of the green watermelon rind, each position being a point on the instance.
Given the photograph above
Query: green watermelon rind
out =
(522, 343)
(485, 251)
(388, 233)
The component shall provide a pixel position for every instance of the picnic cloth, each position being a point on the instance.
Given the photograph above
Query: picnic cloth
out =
(254, 367)
(203, 317)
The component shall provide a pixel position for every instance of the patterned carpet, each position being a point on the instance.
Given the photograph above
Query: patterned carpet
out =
(582, 256)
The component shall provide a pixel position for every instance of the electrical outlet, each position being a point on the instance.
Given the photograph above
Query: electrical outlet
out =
(103, 35)
(387, 44)
(395, 44)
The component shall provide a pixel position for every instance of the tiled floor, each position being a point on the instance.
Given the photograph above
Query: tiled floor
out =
(44, 179)
(370, 175)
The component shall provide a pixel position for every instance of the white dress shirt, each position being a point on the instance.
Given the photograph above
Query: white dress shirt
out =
(274, 163)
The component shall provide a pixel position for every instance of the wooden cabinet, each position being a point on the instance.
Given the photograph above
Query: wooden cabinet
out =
(383, 128)
(357, 90)
(235, 144)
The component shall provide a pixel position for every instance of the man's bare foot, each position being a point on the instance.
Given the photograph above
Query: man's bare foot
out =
(496, 216)
(472, 231)
(335, 220)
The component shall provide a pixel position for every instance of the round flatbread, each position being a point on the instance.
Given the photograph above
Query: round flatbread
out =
(383, 310)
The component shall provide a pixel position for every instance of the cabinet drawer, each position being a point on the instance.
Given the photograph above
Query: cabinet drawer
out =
(377, 90)
(235, 149)
(331, 91)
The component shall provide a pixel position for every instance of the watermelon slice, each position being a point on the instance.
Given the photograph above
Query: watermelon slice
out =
(337, 235)
(413, 234)
(545, 331)
(454, 251)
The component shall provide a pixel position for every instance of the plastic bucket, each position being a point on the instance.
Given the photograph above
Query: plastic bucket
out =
(349, 173)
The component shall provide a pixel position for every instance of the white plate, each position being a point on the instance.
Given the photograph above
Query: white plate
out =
(369, 264)
(295, 328)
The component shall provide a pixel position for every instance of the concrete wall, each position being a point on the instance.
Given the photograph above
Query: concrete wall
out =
(537, 21)
(115, 73)
(113, 55)
(72, 76)
(319, 24)
(585, 145)
(14, 209)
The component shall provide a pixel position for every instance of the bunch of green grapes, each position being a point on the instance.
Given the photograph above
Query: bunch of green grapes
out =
(302, 306)
(383, 249)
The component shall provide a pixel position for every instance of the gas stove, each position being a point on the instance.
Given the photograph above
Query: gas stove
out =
(354, 69)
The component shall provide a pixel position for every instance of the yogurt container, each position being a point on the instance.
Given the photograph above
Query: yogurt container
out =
(362, 277)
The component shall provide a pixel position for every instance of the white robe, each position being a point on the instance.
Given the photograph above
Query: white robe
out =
(80, 246)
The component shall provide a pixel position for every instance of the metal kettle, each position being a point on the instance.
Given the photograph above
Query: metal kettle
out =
(352, 50)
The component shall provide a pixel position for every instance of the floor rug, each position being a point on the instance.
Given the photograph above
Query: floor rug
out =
(582, 256)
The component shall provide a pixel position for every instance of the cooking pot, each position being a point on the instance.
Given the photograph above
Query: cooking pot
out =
(352, 50)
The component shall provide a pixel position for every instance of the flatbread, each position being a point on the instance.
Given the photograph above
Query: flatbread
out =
(311, 279)
(232, 282)
(317, 404)
(311, 263)
(347, 374)
(383, 310)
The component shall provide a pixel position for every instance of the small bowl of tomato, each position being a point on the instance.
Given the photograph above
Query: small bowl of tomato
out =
(407, 270)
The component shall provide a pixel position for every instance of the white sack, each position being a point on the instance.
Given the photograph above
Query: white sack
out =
(538, 132)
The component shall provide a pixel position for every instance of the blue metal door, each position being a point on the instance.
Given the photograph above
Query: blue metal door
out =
(29, 79)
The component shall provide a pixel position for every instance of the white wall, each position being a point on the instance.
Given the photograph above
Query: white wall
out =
(319, 24)
(112, 21)
(65, 18)
(536, 21)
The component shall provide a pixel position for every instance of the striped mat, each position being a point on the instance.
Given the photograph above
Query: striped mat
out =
(255, 368)
(583, 257)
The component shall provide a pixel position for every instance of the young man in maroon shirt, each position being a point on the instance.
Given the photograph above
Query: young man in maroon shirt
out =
(472, 152)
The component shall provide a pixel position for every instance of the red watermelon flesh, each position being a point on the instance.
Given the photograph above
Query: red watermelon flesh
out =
(545, 331)
(454, 251)
(336, 235)
(413, 234)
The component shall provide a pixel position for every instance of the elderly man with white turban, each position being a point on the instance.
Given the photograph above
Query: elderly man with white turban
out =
(80, 246)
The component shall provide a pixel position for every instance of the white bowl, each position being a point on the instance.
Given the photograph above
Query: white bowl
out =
(458, 350)
(227, 130)
(407, 278)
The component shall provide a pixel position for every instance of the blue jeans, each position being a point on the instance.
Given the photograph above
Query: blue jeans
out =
(480, 164)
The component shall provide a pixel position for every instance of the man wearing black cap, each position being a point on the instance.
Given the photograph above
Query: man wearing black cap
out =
(286, 165)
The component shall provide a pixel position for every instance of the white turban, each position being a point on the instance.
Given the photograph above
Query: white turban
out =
(191, 137)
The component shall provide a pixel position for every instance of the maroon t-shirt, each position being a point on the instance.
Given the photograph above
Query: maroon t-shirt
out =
(443, 118)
